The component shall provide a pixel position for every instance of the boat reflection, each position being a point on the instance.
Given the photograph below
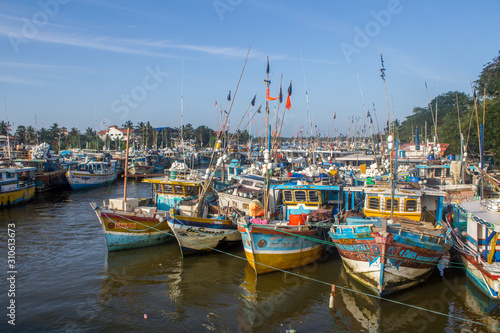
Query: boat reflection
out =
(129, 274)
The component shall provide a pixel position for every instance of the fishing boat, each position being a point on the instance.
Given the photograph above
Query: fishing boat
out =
(141, 166)
(92, 174)
(479, 251)
(50, 173)
(296, 235)
(389, 255)
(201, 232)
(240, 194)
(16, 184)
(132, 223)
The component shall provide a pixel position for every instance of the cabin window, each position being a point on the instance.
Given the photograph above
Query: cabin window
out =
(247, 182)
(374, 203)
(1, 175)
(437, 172)
(288, 196)
(191, 190)
(300, 196)
(178, 189)
(395, 206)
(168, 189)
(313, 196)
(10, 175)
(411, 205)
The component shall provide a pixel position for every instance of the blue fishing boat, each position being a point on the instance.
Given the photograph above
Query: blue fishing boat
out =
(389, 255)
(294, 237)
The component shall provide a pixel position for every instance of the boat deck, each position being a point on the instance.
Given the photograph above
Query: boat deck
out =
(479, 208)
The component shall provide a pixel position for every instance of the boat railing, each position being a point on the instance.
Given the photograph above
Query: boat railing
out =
(491, 204)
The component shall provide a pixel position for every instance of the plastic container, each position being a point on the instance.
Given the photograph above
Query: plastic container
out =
(297, 219)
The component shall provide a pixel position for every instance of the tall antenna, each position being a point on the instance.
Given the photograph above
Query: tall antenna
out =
(307, 96)
(8, 125)
(182, 105)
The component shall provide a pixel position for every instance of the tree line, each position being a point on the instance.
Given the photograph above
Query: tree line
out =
(144, 136)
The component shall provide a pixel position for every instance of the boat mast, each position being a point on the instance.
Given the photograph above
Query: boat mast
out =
(390, 138)
(126, 173)
(8, 126)
(182, 106)
(267, 157)
(307, 101)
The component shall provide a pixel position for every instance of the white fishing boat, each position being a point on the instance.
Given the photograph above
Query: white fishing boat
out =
(479, 249)
(92, 174)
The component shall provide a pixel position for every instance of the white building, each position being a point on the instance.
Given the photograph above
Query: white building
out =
(114, 132)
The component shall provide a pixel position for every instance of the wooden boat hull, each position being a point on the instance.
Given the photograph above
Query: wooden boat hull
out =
(123, 231)
(268, 249)
(83, 180)
(388, 263)
(141, 170)
(196, 234)
(49, 180)
(18, 196)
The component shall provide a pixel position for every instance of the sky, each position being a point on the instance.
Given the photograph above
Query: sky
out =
(98, 63)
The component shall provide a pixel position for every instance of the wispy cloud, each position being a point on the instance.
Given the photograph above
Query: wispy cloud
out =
(20, 80)
(133, 46)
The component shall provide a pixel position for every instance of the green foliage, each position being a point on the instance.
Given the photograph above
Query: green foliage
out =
(489, 79)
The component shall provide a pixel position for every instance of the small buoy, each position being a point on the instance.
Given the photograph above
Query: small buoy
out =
(145, 316)
(332, 297)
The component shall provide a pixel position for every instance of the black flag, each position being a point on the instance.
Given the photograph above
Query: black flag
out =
(258, 110)
(267, 70)
(229, 96)
(290, 89)
(281, 95)
(253, 100)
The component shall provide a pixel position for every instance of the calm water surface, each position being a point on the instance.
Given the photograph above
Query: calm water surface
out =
(67, 281)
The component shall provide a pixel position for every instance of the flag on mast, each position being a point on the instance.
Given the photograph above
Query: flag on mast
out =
(288, 103)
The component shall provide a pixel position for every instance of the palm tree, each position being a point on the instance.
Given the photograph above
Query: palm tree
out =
(3, 127)
(21, 134)
(128, 124)
(31, 135)
(74, 137)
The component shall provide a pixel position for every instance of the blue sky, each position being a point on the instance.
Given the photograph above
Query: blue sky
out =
(99, 63)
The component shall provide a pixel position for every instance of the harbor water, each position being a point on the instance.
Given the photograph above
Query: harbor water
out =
(66, 281)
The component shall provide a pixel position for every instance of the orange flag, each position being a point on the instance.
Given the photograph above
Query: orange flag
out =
(288, 103)
(268, 97)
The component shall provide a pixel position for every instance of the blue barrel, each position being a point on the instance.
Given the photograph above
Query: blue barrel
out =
(402, 153)
(414, 179)
(451, 157)
(430, 157)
